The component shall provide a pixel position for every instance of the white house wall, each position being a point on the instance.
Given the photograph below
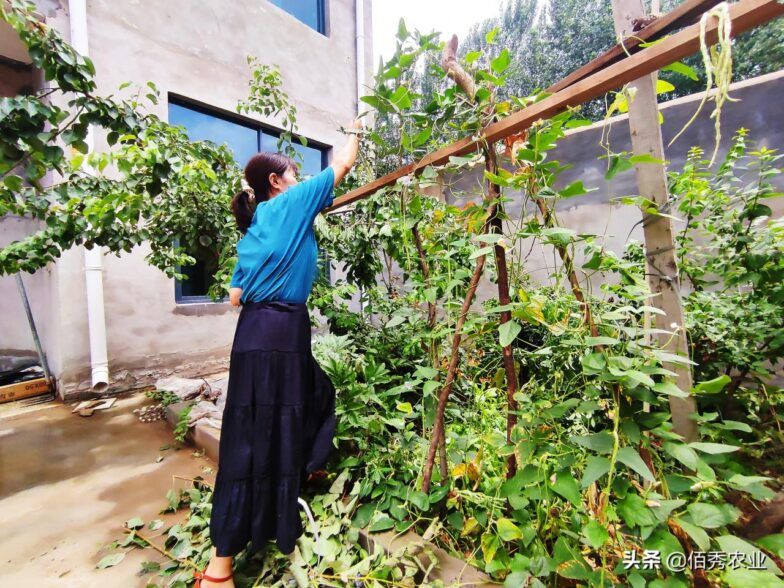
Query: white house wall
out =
(197, 50)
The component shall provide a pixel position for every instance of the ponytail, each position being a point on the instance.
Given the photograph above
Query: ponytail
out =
(243, 210)
(255, 185)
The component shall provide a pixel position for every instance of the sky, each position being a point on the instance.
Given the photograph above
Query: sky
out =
(448, 16)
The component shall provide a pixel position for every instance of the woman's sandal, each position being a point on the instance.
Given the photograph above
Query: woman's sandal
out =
(199, 576)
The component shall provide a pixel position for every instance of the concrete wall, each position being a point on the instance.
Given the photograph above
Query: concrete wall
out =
(197, 50)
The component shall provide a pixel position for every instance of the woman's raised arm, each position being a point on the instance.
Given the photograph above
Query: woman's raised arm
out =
(345, 158)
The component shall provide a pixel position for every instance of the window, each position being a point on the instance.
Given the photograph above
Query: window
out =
(311, 12)
(245, 139)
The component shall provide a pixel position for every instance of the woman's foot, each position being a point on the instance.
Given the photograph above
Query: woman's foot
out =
(219, 567)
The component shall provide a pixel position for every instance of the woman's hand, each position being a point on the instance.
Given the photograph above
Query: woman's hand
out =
(234, 296)
(345, 158)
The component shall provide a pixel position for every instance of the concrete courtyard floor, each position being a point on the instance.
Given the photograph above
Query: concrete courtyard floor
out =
(69, 483)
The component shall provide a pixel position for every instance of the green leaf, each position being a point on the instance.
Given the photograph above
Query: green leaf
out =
(490, 36)
(683, 453)
(595, 468)
(566, 486)
(401, 98)
(481, 252)
(712, 516)
(111, 560)
(420, 500)
(683, 69)
(595, 534)
(635, 512)
(134, 523)
(699, 536)
(713, 448)
(729, 425)
(632, 459)
(773, 543)
(402, 31)
(376, 103)
(383, 523)
(669, 388)
(645, 158)
(663, 86)
(592, 341)
(472, 56)
(713, 386)
(395, 321)
(733, 544)
(500, 63)
(490, 545)
(405, 407)
(507, 530)
(744, 578)
(14, 183)
(573, 189)
(601, 442)
(363, 515)
(639, 378)
(508, 331)
(618, 164)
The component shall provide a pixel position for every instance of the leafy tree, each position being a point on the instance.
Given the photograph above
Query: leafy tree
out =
(152, 186)
(549, 43)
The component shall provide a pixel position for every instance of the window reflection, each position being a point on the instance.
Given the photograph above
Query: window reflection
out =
(242, 140)
(311, 12)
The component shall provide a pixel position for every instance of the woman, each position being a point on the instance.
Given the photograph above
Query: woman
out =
(279, 419)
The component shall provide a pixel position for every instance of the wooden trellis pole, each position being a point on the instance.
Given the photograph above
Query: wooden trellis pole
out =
(495, 224)
(431, 324)
(659, 234)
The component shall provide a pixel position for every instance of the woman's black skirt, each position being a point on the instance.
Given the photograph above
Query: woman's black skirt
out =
(278, 426)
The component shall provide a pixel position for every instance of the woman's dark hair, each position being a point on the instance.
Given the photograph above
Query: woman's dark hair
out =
(257, 174)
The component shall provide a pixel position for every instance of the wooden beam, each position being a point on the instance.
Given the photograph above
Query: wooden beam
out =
(745, 15)
(683, 15)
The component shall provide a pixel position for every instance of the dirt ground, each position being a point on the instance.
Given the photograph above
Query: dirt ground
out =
(68, 484)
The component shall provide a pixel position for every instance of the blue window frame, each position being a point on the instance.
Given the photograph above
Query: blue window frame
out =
(310, 12)
(244, 138)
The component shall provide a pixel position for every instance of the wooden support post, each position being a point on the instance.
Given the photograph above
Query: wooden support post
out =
(466, 83)
(438, 427)
(432, 350)
(659, 238)
(496, 226)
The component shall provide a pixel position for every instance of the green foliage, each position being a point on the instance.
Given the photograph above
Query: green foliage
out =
(600, 469)
(153, 185)
(182, 427)
(163, 397)
(267, 97)
(731, 253)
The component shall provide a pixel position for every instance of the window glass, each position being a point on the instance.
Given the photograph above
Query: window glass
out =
(243, 141)
(308, 11)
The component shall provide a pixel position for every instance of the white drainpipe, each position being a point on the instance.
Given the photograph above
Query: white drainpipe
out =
(93, 258)
(360, 14)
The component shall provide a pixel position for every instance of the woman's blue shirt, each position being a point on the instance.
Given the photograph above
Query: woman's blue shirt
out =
(277, 257)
